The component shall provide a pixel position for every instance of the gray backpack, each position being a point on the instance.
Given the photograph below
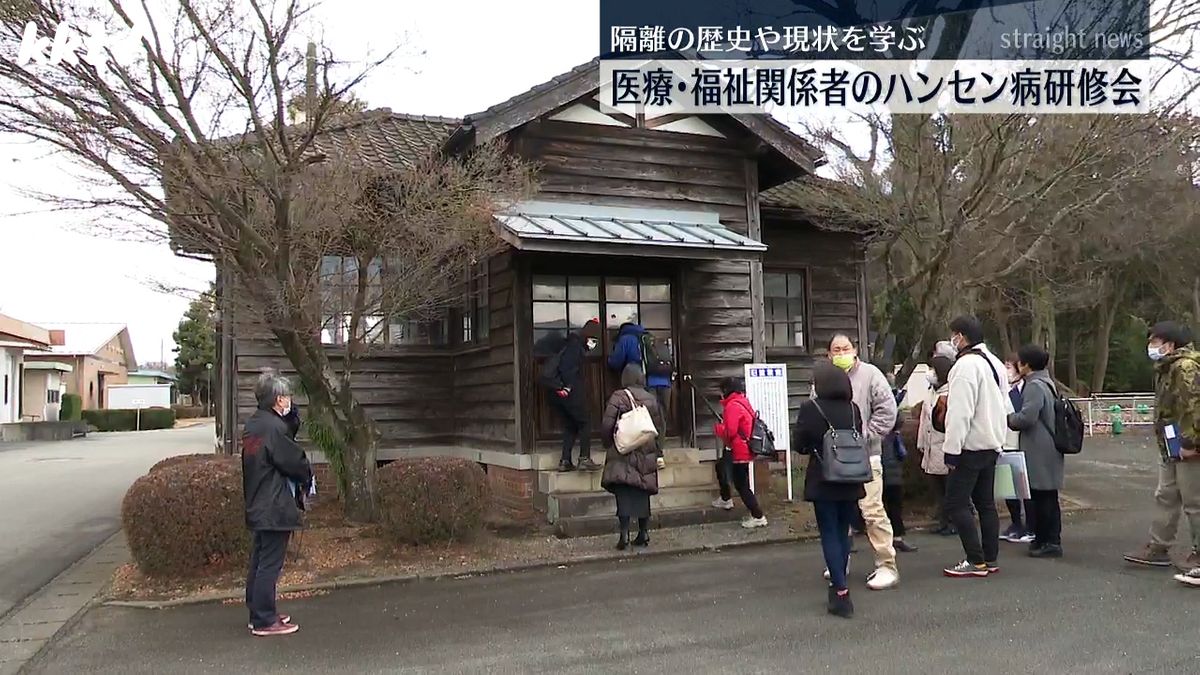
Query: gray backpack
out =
(844, 457)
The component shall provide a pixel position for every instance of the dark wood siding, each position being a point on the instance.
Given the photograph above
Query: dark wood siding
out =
(833, 264)
(485, 411)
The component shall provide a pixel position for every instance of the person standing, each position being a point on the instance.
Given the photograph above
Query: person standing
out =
(631, 348)
(1020, 512)
(734, 428)
(1177, 428)
(568, 395)
(833, 503)
(977, 411)
(631, 478)
(931, 434)
(272, 466)
(875, 401)
(1035, 421)
(892, 456)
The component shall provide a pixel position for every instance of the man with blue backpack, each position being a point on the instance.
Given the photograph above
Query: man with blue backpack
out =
(654, 356)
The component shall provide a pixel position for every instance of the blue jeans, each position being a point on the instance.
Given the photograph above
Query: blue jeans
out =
(833, 522)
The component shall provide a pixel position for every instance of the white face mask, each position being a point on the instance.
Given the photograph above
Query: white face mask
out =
(933, 379)
(591, 343)
(1155, 353)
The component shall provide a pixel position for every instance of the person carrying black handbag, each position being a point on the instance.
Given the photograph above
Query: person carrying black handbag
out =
(833, 503)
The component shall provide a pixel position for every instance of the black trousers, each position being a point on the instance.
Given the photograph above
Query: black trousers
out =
(893, 504)
(576, 423)
(939, 494)
(267, 550)
(1048, 522)
(973, 481)
(739, 475)
(1015, 509)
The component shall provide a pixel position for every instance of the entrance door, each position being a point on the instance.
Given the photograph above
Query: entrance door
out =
(564, 303)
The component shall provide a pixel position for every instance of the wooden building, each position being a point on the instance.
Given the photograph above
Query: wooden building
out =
(691, 223)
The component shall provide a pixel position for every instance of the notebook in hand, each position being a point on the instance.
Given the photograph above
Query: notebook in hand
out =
(1171, 437)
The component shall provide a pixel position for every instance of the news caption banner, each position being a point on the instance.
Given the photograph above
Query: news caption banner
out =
(966, 56)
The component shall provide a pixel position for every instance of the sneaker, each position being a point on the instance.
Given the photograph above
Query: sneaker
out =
(1154, 556)
(751, 523)
(966, 569)
(1190, 563)
(1012, 534)
(882, 579)
(565, 466)
(279, 628)
(1026, 538)
(1047, 551)
(840, 604)
(586, 464)
(1191, 577)
(283, 618)
(723, 504)
(903, 546)
(993, 568)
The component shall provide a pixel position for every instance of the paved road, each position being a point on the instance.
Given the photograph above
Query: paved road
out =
(747, 610)
(59, 500)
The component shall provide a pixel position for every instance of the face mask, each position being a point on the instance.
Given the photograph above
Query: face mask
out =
(591, 343)
(932, 378)
(1155, 353)
(843, 361)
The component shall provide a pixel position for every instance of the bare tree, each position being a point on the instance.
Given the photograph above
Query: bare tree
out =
(192, 132)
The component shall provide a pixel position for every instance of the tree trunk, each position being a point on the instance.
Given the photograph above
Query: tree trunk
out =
(351, 431)
(1073, 358)
(1195, 300)
(1104, 325)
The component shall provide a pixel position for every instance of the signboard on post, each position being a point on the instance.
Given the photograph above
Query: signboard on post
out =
(767, 389)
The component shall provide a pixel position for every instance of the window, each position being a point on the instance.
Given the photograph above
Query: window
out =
(562, 304)
(476, 312)
(52, 396)
(339, 286)
(647, 301)
(785, 294)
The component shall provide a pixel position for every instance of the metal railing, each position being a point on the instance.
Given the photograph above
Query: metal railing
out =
(1111, 413)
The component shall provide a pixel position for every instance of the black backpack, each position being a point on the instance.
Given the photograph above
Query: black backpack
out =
(1068, 425)
(657, 357)
(761, 441)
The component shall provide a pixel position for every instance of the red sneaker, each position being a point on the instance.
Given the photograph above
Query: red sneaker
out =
(279, 628)
(283, 618)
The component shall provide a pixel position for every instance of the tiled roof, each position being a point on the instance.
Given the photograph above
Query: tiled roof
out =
(791, 195)
(84, 338)
(384, 139)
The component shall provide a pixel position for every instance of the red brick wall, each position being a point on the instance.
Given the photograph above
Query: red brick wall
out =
(512, 492)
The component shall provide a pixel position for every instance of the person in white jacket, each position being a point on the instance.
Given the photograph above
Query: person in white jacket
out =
(976, 426)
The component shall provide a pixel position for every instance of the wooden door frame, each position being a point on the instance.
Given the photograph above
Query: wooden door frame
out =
(604, 267)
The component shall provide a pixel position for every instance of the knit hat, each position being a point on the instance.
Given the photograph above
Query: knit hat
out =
(591, 329)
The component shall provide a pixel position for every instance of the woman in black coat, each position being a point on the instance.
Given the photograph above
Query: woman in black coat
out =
(631, 478)
(833, 503)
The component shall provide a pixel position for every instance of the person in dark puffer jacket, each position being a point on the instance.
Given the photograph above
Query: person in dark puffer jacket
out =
(273, 465)
(631, 478)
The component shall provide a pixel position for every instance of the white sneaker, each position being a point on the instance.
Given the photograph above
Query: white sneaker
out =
(751, 523)
(724, 504)
(1024, 539)
(882, 578)
(1191, 577)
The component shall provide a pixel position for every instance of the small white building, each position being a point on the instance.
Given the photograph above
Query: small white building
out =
(43, 389)
(15, 338)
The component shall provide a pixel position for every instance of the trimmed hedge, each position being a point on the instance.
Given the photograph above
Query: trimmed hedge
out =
(187, 412)
(181, 518)
(192, 458)
(432, 499)
(70, 408)
(127, 420)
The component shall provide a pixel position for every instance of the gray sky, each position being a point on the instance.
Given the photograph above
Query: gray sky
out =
(458, 58)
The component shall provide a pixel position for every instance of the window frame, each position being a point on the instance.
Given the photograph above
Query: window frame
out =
(805, 274)
(384, 323)
(475, 316)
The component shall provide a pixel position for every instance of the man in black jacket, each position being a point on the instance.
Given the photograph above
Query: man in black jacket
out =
(570, 399)
(275, 477)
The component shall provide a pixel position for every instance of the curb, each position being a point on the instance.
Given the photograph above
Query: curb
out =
(1074, 505)
(359, 582)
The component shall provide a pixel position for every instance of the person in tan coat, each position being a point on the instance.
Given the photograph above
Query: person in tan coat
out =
(631, 478)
